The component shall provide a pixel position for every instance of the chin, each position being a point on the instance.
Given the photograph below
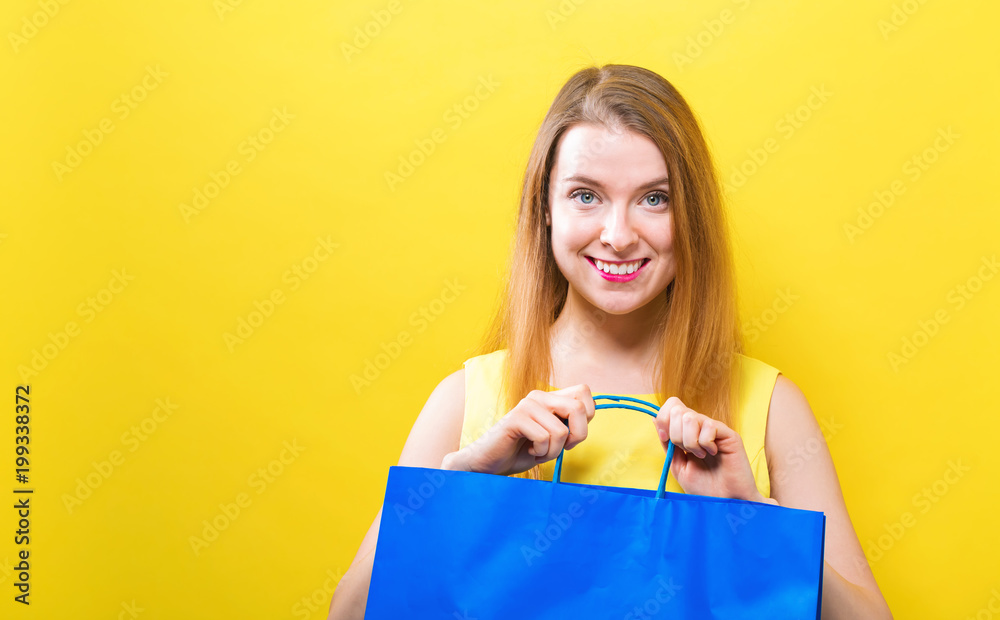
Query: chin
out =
(618, 307)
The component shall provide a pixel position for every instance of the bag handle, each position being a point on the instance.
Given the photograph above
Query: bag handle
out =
(646, 407)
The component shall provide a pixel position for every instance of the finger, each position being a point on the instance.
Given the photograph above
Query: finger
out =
(560, 404)
(577, 391)
(530, 429)
(691, 424)
(577, 415)
(584, 394)
(678, 464)
(662, 420)
(578, 419)
(556, 428)
(707, 437)
(677, 424)
(575, 411)
(580, 393)
(670, 403)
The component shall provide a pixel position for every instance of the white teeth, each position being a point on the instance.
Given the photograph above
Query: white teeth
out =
(616, 269)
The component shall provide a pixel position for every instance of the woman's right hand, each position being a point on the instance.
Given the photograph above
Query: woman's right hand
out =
(531, 433)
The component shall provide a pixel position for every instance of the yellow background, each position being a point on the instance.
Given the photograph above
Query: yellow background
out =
(127, 546)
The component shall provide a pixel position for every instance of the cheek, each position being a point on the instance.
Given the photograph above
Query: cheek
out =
(668, 244)
(663, 237)
(568, 235)
(568, 242)
(562, 248)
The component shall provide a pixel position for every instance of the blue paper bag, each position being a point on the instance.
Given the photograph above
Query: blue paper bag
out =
(463, 545)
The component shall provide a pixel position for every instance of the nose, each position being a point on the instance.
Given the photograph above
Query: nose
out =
(618, 231)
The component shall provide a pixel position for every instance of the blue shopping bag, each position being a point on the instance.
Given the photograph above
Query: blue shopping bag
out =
(464, 545)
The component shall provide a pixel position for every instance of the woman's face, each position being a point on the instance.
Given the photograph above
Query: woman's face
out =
(612, 225)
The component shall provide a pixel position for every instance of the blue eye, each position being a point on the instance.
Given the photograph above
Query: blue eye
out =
(585, 196)
(658, 199)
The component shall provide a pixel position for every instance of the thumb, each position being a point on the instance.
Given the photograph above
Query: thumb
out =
(662, 430)
(678, 462)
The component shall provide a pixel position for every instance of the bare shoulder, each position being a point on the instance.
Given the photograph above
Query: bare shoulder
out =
(447, 402)
(452, 386)
(788, 399)
(797, 454)
(790, 419)
(438, 428)
(803, 475)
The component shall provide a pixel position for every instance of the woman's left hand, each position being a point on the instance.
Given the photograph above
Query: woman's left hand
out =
(709, 458)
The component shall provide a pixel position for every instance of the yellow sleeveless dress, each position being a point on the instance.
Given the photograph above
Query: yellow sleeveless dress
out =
(622, 448)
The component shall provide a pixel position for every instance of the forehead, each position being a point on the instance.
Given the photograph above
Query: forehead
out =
(616, 158)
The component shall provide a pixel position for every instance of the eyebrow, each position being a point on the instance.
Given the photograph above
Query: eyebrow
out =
(596, 183)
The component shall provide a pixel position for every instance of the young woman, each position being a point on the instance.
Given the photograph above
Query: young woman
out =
(621, 283)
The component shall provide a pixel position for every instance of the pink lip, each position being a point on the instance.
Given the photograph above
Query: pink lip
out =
(621, 277)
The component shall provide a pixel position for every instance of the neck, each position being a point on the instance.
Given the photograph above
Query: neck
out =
(585, 332)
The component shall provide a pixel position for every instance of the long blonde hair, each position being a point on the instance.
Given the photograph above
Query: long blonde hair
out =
(699, 327)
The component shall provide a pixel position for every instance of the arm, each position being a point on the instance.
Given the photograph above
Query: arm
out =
(435, 433)
(803, 476)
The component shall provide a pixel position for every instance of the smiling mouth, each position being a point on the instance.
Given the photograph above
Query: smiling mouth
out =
(618, 268)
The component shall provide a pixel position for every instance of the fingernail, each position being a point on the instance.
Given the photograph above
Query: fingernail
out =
(663, 434)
